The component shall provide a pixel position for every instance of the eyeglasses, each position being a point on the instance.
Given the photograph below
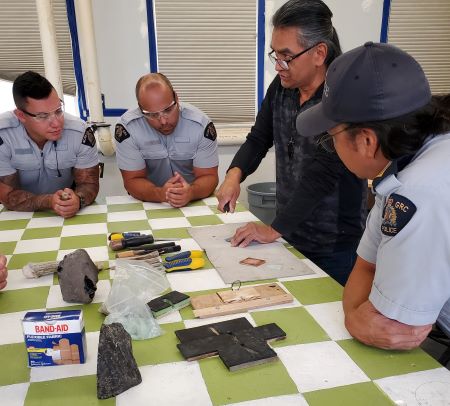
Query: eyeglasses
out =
(163, 113)
(284, 63)
(43, 117)
(326, 140)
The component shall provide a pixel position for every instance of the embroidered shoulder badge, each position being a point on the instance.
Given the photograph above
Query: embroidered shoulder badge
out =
(121, 133)
(89, 138)
(398, 210)
(210, 132)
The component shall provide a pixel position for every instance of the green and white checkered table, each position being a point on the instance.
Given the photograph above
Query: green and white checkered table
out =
(320, 364)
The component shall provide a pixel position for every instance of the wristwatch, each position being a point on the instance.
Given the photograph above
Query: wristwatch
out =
(82, 201)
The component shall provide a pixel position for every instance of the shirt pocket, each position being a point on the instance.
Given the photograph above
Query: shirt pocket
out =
(154, 152)
(25, 162)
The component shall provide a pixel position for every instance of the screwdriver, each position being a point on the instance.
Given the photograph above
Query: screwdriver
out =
(184, 261)
(184, 264)
(117, 245)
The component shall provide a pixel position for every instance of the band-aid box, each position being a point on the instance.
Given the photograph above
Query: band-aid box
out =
(55, 338)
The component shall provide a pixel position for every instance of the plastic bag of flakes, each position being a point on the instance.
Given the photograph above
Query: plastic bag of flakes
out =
(135, 284)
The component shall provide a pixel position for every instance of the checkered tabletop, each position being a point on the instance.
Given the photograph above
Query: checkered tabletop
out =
(319, 363)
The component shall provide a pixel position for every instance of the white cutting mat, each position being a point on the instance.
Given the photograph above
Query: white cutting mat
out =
(279, 261)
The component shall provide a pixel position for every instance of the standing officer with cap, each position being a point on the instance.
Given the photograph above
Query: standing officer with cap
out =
(166, 150)
(320, 206)
(382, 120)
(44, 152)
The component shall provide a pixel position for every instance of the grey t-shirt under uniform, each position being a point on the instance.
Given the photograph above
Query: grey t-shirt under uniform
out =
(50, 169)
(141, 146)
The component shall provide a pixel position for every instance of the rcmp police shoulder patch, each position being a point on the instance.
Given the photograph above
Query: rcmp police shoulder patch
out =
(210, 132)
(89, 138)
(398, 210)
(121, 133)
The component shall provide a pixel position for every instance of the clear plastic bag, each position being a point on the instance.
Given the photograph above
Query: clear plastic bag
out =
(135, 284)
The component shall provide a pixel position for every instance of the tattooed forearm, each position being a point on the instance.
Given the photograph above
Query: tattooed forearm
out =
(87, 183)
(20, 200)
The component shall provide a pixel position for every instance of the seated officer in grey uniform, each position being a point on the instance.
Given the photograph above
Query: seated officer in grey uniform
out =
(166, 150)
(383, 122)
(44, 152)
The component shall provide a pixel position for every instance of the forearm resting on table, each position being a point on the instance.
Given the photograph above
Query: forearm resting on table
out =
(138, 186)
(365, 323)
(203, 186)
(16, 199)
(87, 183)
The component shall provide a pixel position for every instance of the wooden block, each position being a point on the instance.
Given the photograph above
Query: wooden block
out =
(238, 301)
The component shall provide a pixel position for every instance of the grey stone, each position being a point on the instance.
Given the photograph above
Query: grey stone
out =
(78, 277)
(117, 370)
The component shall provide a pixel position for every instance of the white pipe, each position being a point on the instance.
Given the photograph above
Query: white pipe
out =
(49, 45)
(86, 34)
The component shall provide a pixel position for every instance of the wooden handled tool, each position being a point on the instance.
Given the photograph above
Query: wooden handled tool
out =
(34, 270)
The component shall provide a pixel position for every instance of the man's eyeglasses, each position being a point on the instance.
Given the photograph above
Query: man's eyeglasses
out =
(43, 117)
(326, 140)
(284, 63)
(163, 113)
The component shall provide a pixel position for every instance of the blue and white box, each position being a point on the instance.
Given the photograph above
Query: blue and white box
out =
(55, 338)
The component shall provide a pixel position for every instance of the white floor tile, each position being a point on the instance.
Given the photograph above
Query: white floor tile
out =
(55, 297)
(14, 395)
(121, 199)
(424, 388)
(330, 317)
(126, 216)
(12, 327)
(46, 222)
(84, 229)
(156, 206)
(67, 371)
(16, 280)
(173, 222)
(196, 211)
(238, 217)
(94, 209)
(188, 244)
(287, 400)
(95, 253)
(199, 279)
(320, 366)
(11, 235)
(37, 245)
(171, 384)
(211, 201)
(15, 215)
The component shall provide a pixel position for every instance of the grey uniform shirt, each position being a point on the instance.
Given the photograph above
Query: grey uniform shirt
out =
(408, 238)
(38, 169)
(140, 145)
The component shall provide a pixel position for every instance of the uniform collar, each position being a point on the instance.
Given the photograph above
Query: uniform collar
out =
(396, 166)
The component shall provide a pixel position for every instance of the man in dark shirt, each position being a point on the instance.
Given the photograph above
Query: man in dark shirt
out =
(320, 205)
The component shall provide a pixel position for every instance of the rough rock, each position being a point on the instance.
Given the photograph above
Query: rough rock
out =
(78, 277)
(117, 370)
